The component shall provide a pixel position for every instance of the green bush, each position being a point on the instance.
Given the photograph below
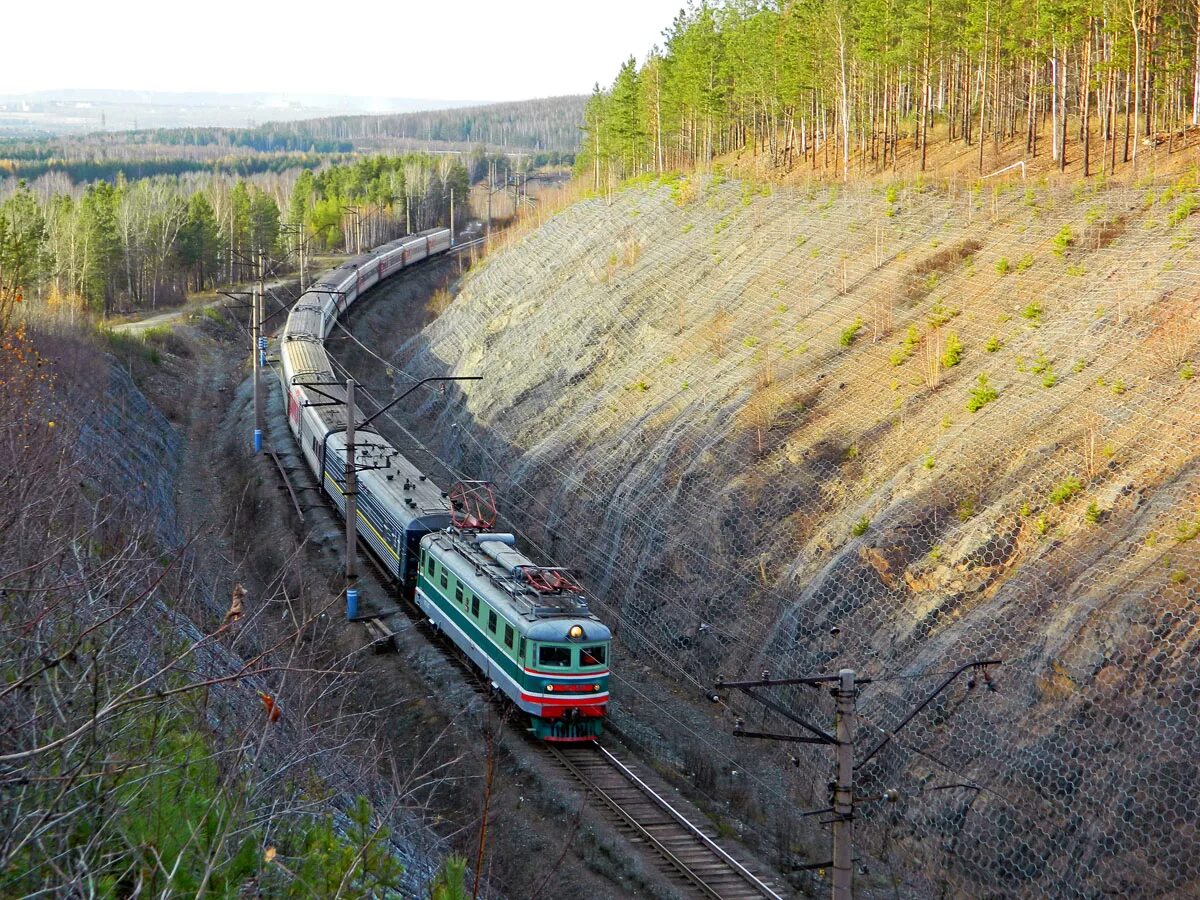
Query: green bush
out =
(1062, 241)
(941, 314)
(982, 394)
(1065, 490)
(993, 344)
(1003, 266)
(1093, 513)
(1025, 262)
(906, 349)
(850, 332)
(860, 527)
(952, 354)
(1185, 208)
(1033, 313)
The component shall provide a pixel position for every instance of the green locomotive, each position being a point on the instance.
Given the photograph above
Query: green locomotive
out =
(526, 627)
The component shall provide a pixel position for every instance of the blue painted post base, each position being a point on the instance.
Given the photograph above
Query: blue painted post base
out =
(352, 603)
(258, 440)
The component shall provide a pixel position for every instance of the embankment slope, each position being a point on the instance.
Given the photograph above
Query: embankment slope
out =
(894, 430)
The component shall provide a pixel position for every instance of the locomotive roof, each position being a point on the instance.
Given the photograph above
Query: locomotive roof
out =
(493, 568)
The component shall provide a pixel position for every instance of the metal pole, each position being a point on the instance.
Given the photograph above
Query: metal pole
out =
(351, 494)
(843, 792)
(451, 217)
(256, 355)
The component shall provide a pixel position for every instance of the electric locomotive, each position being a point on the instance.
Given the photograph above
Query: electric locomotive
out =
(528, 628)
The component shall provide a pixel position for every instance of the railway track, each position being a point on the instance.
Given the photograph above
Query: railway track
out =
(687, 852)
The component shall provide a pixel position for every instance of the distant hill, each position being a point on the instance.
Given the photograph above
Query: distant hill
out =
(86, 110)
(549, 124)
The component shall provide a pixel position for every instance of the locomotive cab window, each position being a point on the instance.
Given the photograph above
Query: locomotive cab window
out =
(491, 621)
(508, 635)
(521, 651)
(429, 565)
(458, 594)
(555, 657)
(475, 607)
(592, 656)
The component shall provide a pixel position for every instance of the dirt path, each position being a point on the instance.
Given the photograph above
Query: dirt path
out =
(191, 308)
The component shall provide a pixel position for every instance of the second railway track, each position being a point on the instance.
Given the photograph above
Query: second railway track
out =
(691, 855)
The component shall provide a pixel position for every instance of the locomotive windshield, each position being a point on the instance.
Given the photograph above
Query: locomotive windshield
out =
(593, 656)
(564, 657)
(558, 657)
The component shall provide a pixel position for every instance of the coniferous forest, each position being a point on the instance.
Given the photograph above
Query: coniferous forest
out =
(850, 86)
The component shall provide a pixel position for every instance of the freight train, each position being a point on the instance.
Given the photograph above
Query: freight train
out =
(527, 628)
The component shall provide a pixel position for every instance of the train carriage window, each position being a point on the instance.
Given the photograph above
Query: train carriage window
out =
(443, 580)
(508, 635)
(592, 656)
(458, 594)
(429, 566)
(555, 657)
(492, 621)
(475, 607)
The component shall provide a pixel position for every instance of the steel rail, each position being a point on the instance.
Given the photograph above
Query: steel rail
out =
(678, 818)
(708, 842)
(630, 820)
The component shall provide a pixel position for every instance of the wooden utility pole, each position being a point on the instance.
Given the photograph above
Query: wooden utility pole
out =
(351, 508)
(452, 217)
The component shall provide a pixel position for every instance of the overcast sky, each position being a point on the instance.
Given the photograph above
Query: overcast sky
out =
(440, 49)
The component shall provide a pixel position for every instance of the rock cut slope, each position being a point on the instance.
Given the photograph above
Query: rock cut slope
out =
(896, 430)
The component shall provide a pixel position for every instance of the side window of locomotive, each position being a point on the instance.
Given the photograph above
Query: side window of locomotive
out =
(475, 607)
(521, 649)
(443, 580)
(429, 565)
(555, 657)
(508, 636)
(458, 595)
(491, 621)
(592, 656)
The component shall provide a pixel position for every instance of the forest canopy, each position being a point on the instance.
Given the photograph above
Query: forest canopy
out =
(131, 243)
(842, 83)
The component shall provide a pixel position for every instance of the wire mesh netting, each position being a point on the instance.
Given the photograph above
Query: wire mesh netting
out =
(889, 430)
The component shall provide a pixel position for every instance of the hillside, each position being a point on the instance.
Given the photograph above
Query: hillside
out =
(896, 430)
(548, 124)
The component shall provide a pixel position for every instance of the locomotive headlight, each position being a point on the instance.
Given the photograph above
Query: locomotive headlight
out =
(575, 632)
(549, 687)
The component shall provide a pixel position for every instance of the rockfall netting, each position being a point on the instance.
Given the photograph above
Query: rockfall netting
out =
(892, 429)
